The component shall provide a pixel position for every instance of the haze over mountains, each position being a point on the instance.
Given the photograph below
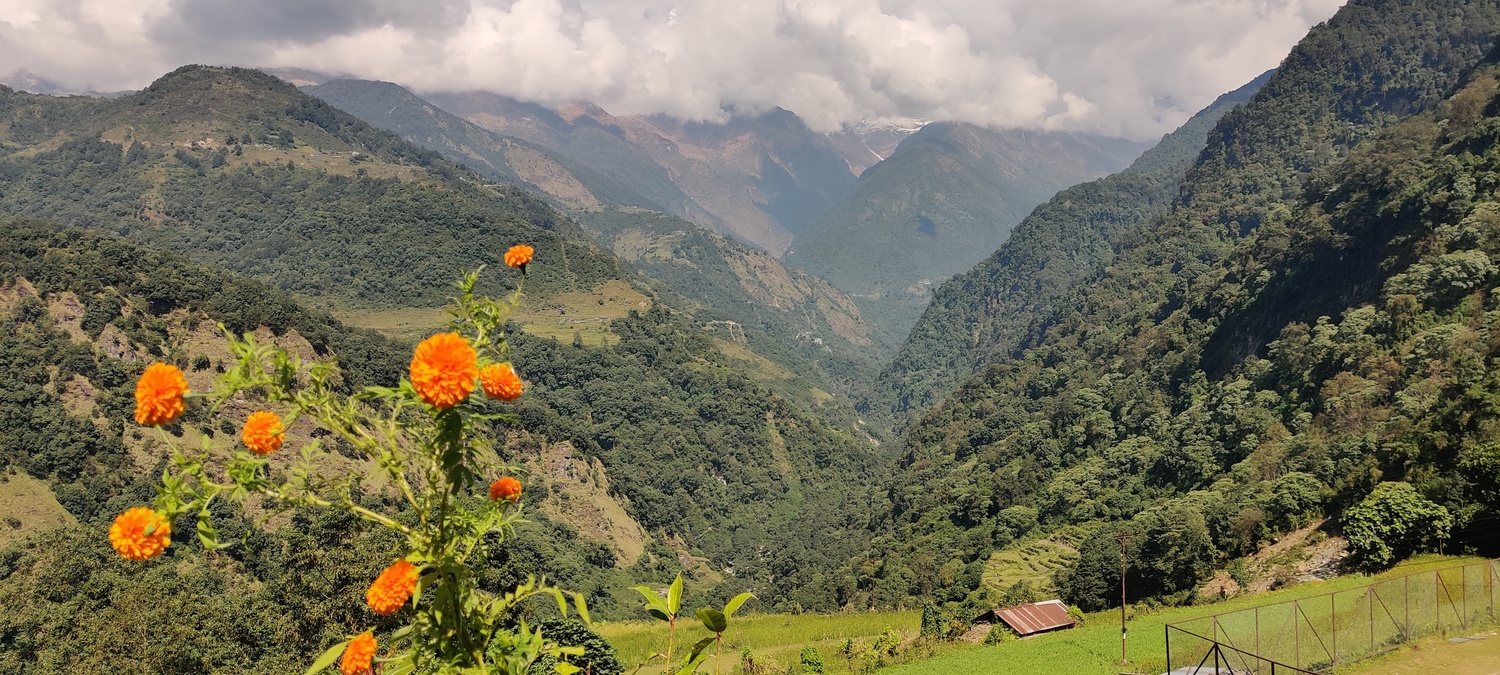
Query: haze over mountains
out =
(934, 197)
(1204, 343)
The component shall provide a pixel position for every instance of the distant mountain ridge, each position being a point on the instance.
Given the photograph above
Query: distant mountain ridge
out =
(505, 158)
(759, 179)
(948, 196)
(239, 169)
(984, 313)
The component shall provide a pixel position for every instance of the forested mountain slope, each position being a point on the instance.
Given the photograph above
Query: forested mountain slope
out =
(745, 295)
(1114, 421)
(504, 158)
(948, 196)
(984, 313)
(723, 477)
(238, 169)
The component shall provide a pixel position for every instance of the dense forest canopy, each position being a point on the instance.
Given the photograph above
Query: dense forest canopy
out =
(1117, 415)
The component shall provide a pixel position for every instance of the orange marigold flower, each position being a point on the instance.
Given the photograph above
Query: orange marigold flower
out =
(358, 655)
(392, 588)
(443, 370)
(140, 533)
(158, 395)
(499, 380)
(519, 255)
(507, 489)
(263, 433)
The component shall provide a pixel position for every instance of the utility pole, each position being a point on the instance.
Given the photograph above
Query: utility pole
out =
(1123, 538)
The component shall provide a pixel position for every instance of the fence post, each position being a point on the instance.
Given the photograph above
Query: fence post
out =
(1167, 632)
(1333, 622)
(1297, 631)
(1370, 600)
(1437, 600)
(1406, 595)
(1257, 633)
(1463, 593)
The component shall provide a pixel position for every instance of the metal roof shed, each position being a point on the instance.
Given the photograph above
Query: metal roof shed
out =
(1030, 619)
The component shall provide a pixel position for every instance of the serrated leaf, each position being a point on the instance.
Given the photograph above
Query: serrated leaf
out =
(735, 603)
(674, 596)
(328, 658)
(713, 620)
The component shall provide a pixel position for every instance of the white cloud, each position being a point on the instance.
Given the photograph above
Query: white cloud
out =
(1125, 67)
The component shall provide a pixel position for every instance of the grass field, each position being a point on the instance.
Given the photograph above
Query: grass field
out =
(776, 640)
(1034, 561)
(584, 314)
(27, 506)
(1438, 655)
(1094, 649)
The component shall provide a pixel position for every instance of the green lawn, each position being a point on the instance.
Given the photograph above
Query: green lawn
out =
(1095, 647)
(773, 638)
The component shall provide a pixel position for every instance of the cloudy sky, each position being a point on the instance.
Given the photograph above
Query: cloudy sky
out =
(1121, 67)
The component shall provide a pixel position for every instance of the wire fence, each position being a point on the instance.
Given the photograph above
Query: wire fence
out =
(1318, 633)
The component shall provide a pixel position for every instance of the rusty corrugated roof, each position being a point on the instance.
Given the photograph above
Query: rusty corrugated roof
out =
(1036, 617)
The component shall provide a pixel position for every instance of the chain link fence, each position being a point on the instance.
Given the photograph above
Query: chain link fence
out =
(1318, 633)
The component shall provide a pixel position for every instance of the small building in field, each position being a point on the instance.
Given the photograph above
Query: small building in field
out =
(1029, 619)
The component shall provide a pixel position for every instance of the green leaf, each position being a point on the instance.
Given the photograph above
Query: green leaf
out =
(734, 604)
(565, 668)
(697, 657)
(582, 606)
(654, 604)
(713, 620)
(328, 658)
(674, 595)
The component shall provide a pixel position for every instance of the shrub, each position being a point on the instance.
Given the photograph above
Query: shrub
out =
(1391, 524)
(810, 660)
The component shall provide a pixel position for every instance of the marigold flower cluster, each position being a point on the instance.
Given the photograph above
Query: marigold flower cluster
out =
(140, 533)
(359, 655)
(500, 380)
(392, 588)
(443, 370)
(263, 433)
(159, 395)
(519, 255)
(505, 489)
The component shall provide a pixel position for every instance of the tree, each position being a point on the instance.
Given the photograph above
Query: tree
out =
(1393, 523)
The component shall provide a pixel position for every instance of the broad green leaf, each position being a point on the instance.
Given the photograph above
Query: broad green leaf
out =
(697, 657)
(564, 668)
(654, 604)
(328, 658)
(699, 646)
(713, 620)
(734, 604)
(674, 596)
